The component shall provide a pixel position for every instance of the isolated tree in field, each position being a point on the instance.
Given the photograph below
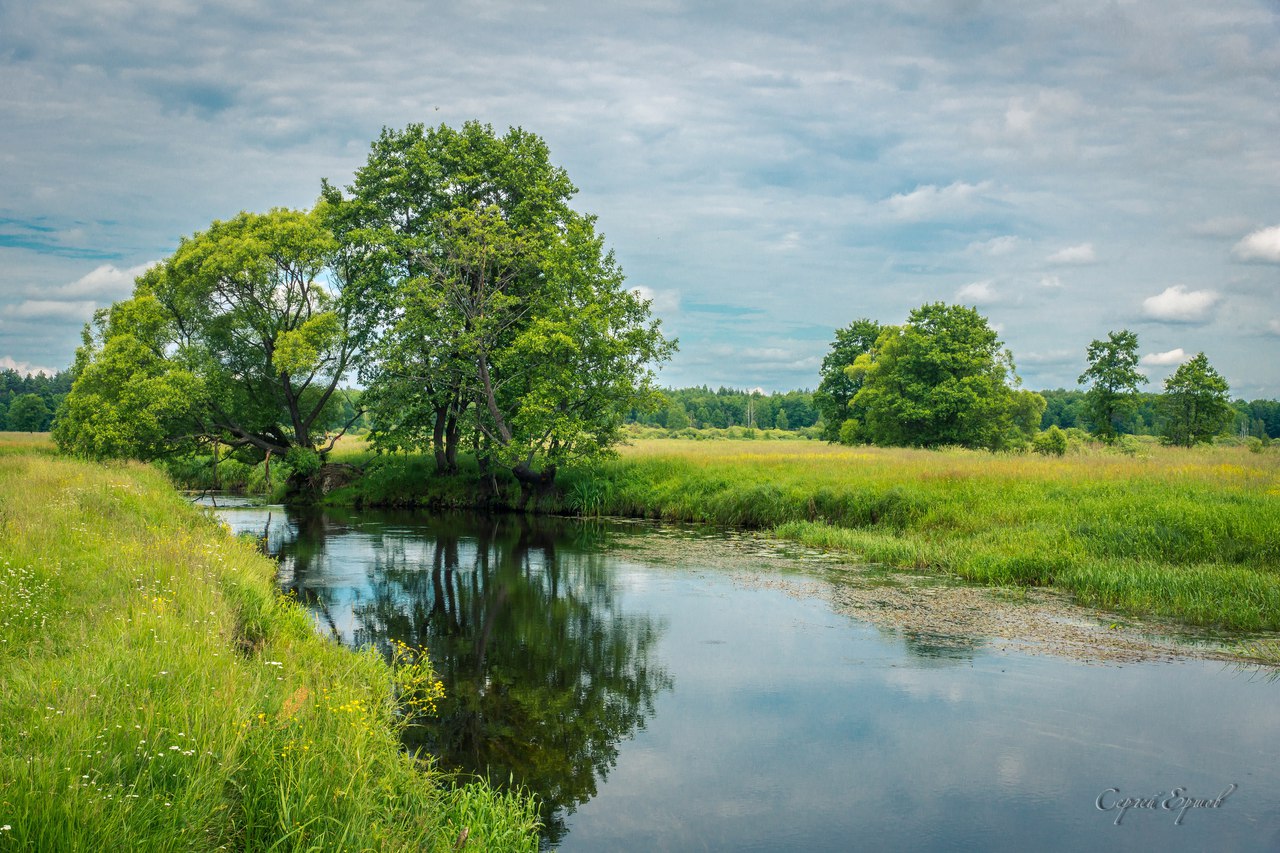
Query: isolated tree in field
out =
(28, 413)
(1195, 403)
(243, 336)
(1115, 381)
(837, 387)
(942, 378)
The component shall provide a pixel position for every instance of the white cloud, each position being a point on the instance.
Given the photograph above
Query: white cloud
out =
(1162, 359)
(1274, 326)
(106, 283)
(1050, 281)
(1082, 254)
(978, 293)
(1178, 305)
(52, 309)
(7, 363)
(661, 301)
(929, 201)
(1261, 245)
(995, 247)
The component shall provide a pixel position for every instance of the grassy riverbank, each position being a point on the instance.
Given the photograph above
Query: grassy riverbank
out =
(1192, 535)
(1188, 535)
(157, 694)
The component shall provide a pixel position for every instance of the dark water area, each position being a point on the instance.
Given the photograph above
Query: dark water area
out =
(685, 704)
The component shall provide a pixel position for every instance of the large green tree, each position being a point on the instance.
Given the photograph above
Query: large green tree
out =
(242, 336)
(508, 321)
(941, 378)
(398, 219)
(1195, 403)
(838, 386)
(1115, 379)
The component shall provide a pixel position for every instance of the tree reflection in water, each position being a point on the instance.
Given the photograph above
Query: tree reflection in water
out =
(544, 675)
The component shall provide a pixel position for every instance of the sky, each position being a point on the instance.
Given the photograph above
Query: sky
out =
(765, 172)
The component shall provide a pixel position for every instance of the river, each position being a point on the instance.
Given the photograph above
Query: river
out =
(662, 688)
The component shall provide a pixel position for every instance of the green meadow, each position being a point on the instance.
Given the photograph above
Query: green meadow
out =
(1189, 535)
(156, 693)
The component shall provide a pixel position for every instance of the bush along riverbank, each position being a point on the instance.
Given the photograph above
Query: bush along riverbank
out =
(1187, 535)
(158, 694)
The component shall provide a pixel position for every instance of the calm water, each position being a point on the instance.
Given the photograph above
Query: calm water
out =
(679, 706)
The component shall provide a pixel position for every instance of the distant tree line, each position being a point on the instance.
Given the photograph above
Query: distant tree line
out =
(701, 408)
(943, 377)
(28, 401)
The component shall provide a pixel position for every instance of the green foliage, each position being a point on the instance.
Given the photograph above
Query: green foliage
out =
(1051, 442)
(1115, 381)
(241, 336)
(303, 461)
(850, 432)
(941, 379)
(29, 413)
(128, 399)
(727, 407)
(50, 389)
(508, 323)
(1195, 403)
(837, 388)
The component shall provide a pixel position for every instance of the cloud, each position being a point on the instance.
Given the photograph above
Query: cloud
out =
(978, 293)
(1178, 305)
(1274, 326)
(929, 201)
(1050, 281)
(106, 283)
(1164, 359)
(1261, 245)
(25, 368)
(661, 301)
(995, 247)
(1082, 254)
(52, 309)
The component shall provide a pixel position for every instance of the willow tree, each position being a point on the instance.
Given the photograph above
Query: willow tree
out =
(242, 336)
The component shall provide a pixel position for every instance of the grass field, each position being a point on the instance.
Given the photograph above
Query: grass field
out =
(157, 694)
(1192, 535)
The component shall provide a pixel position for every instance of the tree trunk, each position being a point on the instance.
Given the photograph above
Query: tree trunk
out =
(533, 484)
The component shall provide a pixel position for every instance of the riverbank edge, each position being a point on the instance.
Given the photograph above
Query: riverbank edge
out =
(162, 695)
(907, 523)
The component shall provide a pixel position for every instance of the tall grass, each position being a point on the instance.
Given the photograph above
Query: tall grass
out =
(1189, 534)
(157, 694)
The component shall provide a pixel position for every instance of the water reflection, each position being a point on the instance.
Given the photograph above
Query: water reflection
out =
(544, 674)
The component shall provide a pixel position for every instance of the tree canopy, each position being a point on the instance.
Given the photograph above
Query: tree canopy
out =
(1115, 380)
(1195, 403)
(242, 336)
(507, 322)
(838, 387)
(941, 378)
(452, 276)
